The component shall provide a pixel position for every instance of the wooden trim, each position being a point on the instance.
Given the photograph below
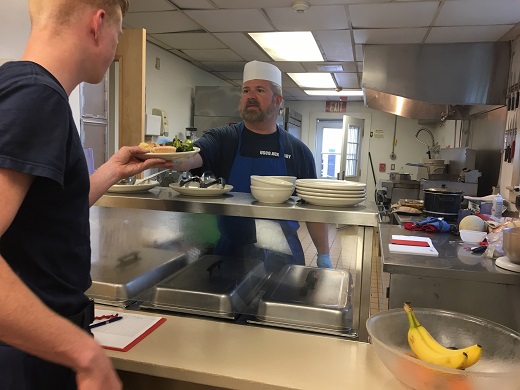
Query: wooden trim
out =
(131, 55)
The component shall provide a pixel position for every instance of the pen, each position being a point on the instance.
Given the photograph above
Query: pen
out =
(114, 319)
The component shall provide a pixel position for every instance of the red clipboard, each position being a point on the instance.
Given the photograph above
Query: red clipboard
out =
(409, 242)
(138, 339)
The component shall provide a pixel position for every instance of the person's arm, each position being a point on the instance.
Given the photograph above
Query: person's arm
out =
(122, 164)
(29, 325)
(188, 164)
(320, 237)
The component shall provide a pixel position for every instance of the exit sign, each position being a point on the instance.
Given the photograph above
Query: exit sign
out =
(334, 106)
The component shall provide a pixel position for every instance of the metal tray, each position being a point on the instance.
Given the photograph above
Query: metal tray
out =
(308, 298)
(117, 281)
(213, 285)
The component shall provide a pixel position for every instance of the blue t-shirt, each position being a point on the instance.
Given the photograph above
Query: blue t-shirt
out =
(218, 148)
(48, 242)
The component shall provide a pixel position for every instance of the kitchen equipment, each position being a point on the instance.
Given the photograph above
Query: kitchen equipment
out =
(131, 188)
(402, 189)
(272, 195)
(215, 286)
(150, 176)
(308, 298)
(497, 369)
(442, 202)
(118, 280)
(511, 243)
(396, 176)
(472, 236)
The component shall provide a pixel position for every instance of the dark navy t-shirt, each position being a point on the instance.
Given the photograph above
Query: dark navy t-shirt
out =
(48, 242)
(218, 148)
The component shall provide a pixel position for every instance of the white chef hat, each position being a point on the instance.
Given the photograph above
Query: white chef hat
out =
(256, 70)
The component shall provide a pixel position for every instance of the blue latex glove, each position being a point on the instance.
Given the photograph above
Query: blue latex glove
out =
(324, 261)
(162, 140)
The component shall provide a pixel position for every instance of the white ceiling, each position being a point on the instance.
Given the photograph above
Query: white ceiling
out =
(212, 34)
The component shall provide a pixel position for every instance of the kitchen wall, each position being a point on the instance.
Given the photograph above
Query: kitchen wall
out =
(171, 88)
(378, 138)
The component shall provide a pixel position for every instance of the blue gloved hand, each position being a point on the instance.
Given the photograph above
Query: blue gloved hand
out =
(162, 140)
(324, 261)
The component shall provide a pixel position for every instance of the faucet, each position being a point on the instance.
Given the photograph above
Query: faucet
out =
(434, 148)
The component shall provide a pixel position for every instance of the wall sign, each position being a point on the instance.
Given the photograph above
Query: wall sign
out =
(335, 106)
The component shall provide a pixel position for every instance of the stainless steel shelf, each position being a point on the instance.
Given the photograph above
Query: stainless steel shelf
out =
(243, 205)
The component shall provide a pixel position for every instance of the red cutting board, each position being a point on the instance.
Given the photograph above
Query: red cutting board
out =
(409, 242)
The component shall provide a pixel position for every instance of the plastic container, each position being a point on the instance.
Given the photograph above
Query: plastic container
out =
(496, 208)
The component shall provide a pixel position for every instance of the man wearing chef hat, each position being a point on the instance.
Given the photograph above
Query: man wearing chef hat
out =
(257, 146)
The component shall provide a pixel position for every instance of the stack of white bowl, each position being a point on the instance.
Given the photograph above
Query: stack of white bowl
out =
(272, 189)
(326, 192)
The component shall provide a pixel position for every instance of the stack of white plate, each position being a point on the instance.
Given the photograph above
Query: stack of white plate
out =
(324, 192)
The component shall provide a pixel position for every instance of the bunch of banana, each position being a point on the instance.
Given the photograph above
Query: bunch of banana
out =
(429, 350)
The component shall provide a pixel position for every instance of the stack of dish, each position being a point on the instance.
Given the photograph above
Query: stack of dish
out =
(272, 189)
(326, 192)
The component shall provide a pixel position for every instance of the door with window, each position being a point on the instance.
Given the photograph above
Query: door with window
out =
(338, 147)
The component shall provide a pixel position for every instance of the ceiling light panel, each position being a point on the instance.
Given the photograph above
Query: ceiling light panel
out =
(230, 20)
(325, 92)
(313, 80)
(289, 46)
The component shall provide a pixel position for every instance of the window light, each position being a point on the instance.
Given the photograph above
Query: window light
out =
(289, 46)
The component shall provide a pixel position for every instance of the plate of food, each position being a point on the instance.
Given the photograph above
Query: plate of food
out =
(215, 190)
(163, 153)
(129, 188)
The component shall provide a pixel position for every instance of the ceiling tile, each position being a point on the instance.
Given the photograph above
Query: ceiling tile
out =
(193, 4)
(360, 66)
(157, 42)
(479, 12)
(316, 18)
(224, 66)
(190, 40)
(389, 36)
(359, 52)
(467, 34)
(150, 5)
(252, 4)
(213, 55)
(336, 45)
(231, 20)
(347, 80)
(417, 14)
(231, 75)
(161, 22)
(243, 46)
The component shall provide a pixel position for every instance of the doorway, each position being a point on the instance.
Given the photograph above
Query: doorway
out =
(338, 146)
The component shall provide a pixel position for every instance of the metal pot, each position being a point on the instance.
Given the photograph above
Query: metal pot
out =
(396, 176)
(442, 202)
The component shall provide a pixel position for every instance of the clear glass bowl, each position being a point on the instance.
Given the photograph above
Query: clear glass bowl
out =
(499, 367)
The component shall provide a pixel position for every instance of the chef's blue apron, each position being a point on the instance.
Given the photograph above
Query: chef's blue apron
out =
(238, 234)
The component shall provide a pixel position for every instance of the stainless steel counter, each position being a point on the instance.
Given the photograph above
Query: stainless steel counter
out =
(243, 205)
(454, 261)
(457, 280)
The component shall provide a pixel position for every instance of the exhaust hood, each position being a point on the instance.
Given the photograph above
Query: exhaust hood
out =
(436, 81)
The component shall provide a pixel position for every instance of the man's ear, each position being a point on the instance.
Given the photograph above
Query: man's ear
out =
(96, 23)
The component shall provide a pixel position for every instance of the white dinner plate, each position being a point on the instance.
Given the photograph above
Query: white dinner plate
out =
(176, 156)
(345, 194)
(197, 191)
(339, 202)
(331, 184)
(129, 188)
(318, 191)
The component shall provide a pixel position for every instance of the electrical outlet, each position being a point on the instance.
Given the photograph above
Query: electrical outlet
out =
(392, 167)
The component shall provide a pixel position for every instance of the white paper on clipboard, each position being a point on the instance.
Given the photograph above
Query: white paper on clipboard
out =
(124, 334)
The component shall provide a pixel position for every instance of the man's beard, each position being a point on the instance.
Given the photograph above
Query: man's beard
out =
(258, 115)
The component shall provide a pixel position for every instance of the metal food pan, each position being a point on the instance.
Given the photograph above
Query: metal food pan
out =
(121, 279)
(308, 298)
(213, 285)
